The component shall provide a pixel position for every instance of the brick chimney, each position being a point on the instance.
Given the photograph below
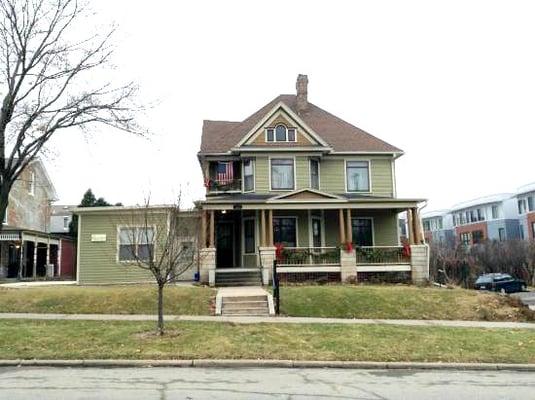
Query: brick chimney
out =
(302, 91)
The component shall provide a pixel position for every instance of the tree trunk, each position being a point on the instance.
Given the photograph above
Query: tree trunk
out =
(160, 310)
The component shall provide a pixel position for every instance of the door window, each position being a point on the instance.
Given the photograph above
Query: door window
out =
(316, 232)
(284, 231)
(362, 231)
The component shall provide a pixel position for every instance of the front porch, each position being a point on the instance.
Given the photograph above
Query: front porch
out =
(312, 240)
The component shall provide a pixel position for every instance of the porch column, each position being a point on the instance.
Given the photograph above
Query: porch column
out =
(48, 273)
(341, 226)
(34, 272)
(212, 229)
(348, 226)
(410, 226)
(417, 231)
(22, 261)
(203, 229)
(270, 228)
(59, 256)
(263, 228)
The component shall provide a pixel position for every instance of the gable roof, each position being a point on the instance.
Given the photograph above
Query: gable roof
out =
(222, 136)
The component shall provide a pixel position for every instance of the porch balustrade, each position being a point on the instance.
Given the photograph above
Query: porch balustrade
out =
(225, 185)
(382, 255)
(309, 256)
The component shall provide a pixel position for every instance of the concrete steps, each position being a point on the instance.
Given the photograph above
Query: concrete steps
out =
(245, 306)
(238, 278)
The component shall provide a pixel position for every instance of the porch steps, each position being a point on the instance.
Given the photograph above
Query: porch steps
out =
(238, 278)
(245, 306)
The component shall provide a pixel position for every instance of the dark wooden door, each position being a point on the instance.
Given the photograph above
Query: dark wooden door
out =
(225, 244)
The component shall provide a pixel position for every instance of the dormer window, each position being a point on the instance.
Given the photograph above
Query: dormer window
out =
(280, 134)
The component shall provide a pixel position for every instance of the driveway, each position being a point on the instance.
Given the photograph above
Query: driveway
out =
(256, 383)
(528, 298)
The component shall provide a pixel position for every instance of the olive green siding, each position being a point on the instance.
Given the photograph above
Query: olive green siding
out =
(332, 174)
(98, 260)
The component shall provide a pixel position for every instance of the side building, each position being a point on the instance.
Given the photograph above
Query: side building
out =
(525, 204)
(438, 227)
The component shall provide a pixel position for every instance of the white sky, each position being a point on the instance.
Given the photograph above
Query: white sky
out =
(452, 83)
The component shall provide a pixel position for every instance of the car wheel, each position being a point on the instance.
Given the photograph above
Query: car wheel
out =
(523, 288)
(502, 291)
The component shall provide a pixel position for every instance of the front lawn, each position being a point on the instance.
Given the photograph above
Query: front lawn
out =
(127, 299)
(399, 302)
(196, 340)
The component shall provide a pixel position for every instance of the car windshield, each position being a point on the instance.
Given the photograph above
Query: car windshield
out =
(483, 279)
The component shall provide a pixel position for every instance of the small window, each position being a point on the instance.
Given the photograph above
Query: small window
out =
(427, 226)
(531, 205)
(521, 206)
(465, 238)
(357, 175)
(248, 175)
(66, 222)
(280, 134)
(480, 214)
(477, 237)
(494, 212)
(136, 244)
(440, 223)
(282, 174)
(533, 230)
(314, 174)
(249, 236)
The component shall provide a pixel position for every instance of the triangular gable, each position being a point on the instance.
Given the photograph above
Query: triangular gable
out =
(307, 194)
(281, 110)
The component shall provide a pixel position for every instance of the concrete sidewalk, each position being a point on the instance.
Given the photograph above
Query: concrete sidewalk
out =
(270, 320)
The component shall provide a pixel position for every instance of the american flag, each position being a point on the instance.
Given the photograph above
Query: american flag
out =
(225, 173)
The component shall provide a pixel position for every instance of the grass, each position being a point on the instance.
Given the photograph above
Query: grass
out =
(400, 302)
(195, 340)
(128, 299)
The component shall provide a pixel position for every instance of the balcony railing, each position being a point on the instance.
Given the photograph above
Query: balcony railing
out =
(215, 185)
(382, 255)
(309, 256)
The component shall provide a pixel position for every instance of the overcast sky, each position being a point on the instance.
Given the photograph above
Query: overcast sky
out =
(451, 83)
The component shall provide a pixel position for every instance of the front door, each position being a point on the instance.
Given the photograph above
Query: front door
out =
(225, 244)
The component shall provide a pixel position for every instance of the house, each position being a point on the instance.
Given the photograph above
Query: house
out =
(296, 178)
(291, 181)
(525, 206)
(26, 246)
(61, 218)
(438, 226)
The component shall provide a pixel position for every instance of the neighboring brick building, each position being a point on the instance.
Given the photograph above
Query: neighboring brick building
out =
(438, 226)
(26, 246)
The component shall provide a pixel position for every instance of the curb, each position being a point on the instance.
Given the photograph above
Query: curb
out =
(207, 363)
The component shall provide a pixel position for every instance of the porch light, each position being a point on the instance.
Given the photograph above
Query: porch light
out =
(223, 211)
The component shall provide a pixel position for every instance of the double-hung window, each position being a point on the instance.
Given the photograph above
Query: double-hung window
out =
(358, 176)
(531, 205)
(282, 174)
(285, 231)
(248, 175)
(136, 244)
(494, 212)
(314, 174)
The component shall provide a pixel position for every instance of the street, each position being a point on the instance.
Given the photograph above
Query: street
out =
(528, 298)
(255, 383)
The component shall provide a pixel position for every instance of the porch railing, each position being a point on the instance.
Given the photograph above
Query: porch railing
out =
(381, 255)
(309, 256)
(215, 185)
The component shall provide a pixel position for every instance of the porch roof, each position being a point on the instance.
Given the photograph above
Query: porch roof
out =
(306, 199)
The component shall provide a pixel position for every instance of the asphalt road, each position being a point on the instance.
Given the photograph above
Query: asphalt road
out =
(528, 298)
(237, 384)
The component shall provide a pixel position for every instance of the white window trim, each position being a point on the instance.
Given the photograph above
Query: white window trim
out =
(296, 227)
(370, 190)
(253, 161)
(31, 191)
(310, 173)
(282, 157)
(275, 136)
(322, 227)
(118, 245)
(373, 227)
(243, 253)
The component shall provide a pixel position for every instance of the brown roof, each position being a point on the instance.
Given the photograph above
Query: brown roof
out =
(221, 136)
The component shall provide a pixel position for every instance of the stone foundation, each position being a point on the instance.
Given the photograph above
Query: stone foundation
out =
(207, 265)
(348, 266)
(267, 256)
(420, 263)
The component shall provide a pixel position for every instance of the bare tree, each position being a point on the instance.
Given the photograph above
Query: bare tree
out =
(49, 81)
(161, 240)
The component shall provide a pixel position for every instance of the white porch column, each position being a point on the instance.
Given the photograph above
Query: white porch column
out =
(207, 265)
(267, 256)
(420, 263)
(59, 256)
(34, 272)
(348, 265)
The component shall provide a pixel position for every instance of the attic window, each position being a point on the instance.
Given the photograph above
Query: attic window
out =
(280, 134)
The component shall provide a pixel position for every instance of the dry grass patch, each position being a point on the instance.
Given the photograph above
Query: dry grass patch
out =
(117, 299)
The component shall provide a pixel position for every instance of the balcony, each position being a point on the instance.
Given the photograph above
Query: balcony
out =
(223, 177)
(214, 186)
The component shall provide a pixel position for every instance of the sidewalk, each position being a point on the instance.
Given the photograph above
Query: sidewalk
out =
(271, 320)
